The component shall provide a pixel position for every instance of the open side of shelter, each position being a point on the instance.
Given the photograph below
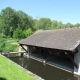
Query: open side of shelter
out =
(56, 45)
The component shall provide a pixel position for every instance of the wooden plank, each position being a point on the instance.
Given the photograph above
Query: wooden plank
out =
(16, 52)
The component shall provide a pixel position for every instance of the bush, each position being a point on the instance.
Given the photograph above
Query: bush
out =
(18, 33)
(28, 32)
(2, 35)
(6, 46)
(2, 45)
(11, 48)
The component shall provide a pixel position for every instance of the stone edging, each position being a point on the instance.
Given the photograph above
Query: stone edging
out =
(34, 75)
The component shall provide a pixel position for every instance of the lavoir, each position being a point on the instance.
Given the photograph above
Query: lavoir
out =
(59, 48)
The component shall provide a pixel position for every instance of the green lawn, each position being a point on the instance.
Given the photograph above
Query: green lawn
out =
(8, 45)
(9, 71)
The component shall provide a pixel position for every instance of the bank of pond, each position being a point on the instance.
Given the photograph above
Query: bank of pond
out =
(9, 71)
(45, 71)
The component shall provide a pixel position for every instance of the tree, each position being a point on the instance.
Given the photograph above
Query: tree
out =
(18, 24)
(54, 24)
(28, 32)
(44, 23)
(61, 25)
(18, 33)
(57, 25)
(9, 21)
(76, 25)
(25, 21)
(35, 24)
(68, 25)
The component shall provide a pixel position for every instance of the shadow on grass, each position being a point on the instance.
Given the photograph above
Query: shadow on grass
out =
(2, 78)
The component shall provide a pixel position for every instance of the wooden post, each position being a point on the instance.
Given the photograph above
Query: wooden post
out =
(22, 54)
(72, 60)
(28, 53)
(8, 54)
(45, 56)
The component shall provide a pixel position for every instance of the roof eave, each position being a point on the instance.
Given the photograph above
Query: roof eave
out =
(73, 49)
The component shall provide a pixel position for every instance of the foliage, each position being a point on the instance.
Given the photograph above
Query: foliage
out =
(68, 25)
(10, 71)
(43, 23)
(10, 48)
(7, 46)
(2, 44)
(28, 32)
(57, 25)
(17, 24)
(18, 33)
(2, 35)
(10, 20)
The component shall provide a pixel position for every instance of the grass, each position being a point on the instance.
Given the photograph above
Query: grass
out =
(9, 71)
(11, 40)
(8, 44)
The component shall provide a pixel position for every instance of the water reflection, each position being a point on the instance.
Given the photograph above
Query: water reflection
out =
(47, 72)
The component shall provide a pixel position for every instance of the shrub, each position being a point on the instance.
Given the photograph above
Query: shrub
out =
(6, 46)
(2, 45)
(2, 35)
(28, 32)
(11, 48)
(18, 33)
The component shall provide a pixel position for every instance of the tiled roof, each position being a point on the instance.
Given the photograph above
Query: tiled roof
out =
(64, 39)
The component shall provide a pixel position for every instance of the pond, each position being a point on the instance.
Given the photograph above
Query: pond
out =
(46, 71)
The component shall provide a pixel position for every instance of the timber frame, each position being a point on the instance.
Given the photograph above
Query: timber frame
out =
(45, 55)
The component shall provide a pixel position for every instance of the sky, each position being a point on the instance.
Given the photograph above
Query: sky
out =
(60, 10)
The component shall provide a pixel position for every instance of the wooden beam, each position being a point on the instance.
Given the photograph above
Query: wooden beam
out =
(72, 60)
(17, 52)
(24, 48)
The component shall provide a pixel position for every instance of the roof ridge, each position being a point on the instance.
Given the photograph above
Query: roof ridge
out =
(62, 29)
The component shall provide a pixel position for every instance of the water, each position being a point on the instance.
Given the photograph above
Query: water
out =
(47, 72)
